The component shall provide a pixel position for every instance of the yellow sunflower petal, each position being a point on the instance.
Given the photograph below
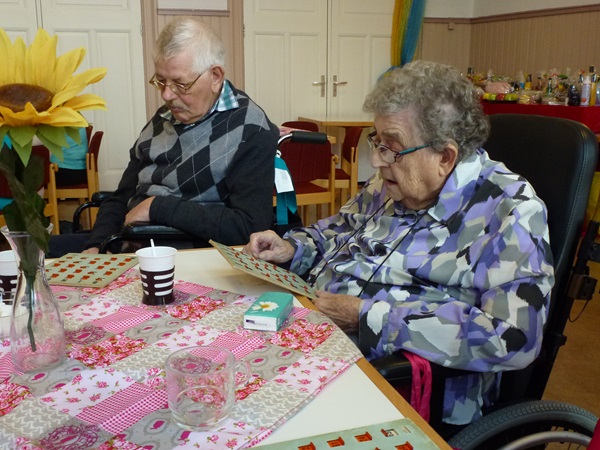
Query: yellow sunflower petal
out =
(77, 84)
(86, 101)
(19, 53)
(6, 55)
(29, 116)
(66, 65)
(43, 74)
(63, 117)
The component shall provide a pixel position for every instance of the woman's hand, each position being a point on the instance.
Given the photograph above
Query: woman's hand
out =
(269, 246)
(342, 309)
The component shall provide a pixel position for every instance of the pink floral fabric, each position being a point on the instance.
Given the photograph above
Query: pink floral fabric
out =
(111, 392)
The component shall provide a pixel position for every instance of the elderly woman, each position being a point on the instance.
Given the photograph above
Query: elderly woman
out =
(443, 253)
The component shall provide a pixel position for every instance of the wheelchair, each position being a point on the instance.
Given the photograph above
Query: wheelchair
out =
(285, 214)
(558, 157)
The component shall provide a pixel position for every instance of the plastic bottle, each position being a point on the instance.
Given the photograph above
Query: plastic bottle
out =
(573, 98)
(528, 82)
(593, 86)
(585, 91)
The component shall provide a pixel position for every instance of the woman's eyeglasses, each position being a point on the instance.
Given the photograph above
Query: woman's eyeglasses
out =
(386, 154)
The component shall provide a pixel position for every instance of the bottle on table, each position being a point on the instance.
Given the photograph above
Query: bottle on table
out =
(593, 86)
(585, 91)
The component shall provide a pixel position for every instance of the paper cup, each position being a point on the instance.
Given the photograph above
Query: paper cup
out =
(157, 272)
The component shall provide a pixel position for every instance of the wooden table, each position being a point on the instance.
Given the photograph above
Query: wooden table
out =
(339, 121)
(359, 396)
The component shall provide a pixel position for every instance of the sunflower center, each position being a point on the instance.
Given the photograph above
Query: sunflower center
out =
(15, 96)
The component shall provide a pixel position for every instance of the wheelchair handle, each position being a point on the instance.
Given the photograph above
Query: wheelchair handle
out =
(307, 137)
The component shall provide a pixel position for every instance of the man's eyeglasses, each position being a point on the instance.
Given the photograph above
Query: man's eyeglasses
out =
(177, 88)
(386, 154)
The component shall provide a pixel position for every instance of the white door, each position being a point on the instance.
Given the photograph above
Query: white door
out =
(316, 58)
(110, 32)
(285, 54)
(359, 52)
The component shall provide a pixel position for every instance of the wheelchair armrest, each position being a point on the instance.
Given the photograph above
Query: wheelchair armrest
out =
(144, 231)
(147, 230)
(100, 196)
(395, 368)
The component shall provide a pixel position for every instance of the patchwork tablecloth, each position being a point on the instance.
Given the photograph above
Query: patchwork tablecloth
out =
(110, 393)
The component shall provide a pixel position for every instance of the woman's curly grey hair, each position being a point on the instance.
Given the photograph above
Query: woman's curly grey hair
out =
(447, 106)
(188, 34)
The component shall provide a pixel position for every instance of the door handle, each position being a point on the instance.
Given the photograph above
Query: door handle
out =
(321, 83)
(337, 83)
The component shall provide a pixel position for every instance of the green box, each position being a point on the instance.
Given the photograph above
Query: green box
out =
(269, 311)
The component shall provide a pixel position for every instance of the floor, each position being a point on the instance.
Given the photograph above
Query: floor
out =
(575, 377)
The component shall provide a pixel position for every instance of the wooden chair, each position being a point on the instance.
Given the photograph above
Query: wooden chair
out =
(301, 125)
(49, 186)
(306, 163)
(346, 176)
(84, 191)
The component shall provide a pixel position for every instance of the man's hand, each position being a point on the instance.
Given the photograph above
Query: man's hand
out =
(140, 213)
(91, 250)
(342, 309)
(269, 246)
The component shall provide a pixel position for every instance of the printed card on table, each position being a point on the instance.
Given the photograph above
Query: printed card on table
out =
(85, 270)
(264, 270)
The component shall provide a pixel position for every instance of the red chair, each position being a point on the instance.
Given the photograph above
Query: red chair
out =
(308, 162)
(301, 125)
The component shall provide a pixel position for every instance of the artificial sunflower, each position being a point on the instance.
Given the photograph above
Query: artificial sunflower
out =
(39, 96)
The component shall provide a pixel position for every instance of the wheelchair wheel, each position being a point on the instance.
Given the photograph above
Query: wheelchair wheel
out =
(531, 424)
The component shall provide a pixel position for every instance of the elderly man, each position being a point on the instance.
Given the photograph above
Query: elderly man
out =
(444, 252)
(204, 163)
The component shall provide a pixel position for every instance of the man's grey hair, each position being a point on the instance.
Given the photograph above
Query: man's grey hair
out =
(192, 35)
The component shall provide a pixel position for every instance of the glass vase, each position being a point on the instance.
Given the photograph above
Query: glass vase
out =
(37, 335)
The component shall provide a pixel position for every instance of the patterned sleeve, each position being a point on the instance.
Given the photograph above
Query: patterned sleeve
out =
(492, 319)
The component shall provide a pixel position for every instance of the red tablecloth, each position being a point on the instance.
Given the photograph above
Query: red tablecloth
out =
(588, 115)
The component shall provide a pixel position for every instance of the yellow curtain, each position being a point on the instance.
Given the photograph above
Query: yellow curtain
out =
(399, 22)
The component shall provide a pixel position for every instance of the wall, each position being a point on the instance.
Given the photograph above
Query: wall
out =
(530, 41)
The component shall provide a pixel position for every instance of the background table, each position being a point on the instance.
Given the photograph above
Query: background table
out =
(587, 115)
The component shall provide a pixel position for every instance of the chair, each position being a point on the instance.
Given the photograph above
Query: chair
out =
(84, 191)
(306, 163)
(346, 176)
(301, 125)
(144, 231)
(48, 184)
(558, 157)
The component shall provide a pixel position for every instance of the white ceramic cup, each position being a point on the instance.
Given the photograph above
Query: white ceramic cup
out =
(201, 385)
(157, 272)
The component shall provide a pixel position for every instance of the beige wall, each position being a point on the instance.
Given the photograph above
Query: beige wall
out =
(531, 42)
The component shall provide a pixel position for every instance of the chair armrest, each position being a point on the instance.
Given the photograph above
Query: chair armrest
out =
(95, 201)
(145, 231)
(148, 230)
(395, 368)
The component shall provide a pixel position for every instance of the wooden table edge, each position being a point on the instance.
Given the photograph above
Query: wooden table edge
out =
(390, 393)
(339, 123)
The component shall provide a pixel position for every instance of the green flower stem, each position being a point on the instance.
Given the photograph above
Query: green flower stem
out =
(31, 293)
(26, 213)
